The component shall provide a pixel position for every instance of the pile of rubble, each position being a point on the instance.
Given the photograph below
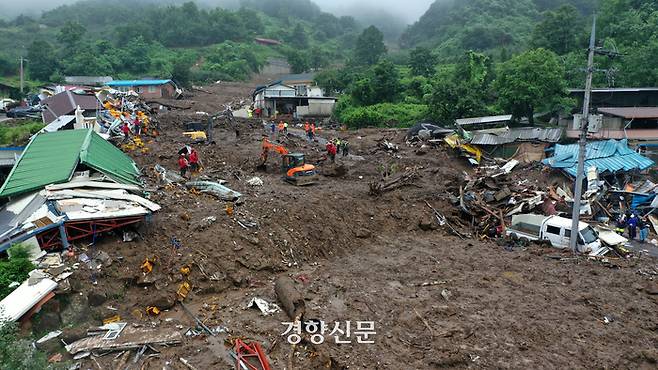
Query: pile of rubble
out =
(125, 108)
(487, 202)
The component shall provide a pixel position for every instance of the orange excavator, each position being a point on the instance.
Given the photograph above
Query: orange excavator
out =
(297, 171)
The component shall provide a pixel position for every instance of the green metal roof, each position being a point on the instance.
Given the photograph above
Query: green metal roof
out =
(52, 157)
(104, 157)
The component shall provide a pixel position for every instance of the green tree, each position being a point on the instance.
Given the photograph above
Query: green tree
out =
(17, 353)
(87, 64)
(42, 60)
(299, 38)
(369, 46)
(299, 61)
(335, 80)
(6, 66)
(181, 73)
(422, 62)
(380, 85)
(558, 31)
(15, 269)
(530, 82)
(71, 33)
(462, 91)
(135, 56)
(319, 57)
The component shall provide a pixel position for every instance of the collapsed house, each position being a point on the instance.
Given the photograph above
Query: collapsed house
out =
(609, 157)
(70, 185)
(65, 104)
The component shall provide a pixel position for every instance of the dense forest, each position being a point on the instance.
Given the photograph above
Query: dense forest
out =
(462, 57)
(476, 57)
(124, 38)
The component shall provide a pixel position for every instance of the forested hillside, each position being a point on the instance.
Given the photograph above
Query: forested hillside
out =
(479, 57)
(461, 58)
(502, 28)
(454, 26)
(125, 38)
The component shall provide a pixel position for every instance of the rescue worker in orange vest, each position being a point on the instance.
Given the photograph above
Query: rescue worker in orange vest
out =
(281, 127)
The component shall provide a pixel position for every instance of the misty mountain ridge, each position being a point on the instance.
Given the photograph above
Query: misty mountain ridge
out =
(387, 15)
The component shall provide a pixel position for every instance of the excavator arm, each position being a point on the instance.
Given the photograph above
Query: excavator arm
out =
(266, 147)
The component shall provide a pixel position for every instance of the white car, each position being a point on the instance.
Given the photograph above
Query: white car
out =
(5, 103)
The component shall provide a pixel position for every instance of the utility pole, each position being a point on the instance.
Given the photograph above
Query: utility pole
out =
(582, 142)
(22, 74)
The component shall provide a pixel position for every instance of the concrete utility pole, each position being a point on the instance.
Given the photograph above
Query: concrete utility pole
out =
(21, 73)
(582, 142)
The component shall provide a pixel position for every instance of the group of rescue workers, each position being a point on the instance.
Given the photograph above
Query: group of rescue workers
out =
(188, 159)
(337, 146)
(139, 120)
(634, 225)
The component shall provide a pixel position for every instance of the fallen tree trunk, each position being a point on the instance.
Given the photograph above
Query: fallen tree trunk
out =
(291, 300)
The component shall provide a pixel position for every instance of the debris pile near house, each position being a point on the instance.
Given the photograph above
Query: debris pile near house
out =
(490, 196)
(125, 108)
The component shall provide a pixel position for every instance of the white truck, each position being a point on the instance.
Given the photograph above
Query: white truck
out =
(557, 230)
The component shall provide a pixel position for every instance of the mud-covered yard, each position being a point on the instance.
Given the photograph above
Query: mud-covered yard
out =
(437, 301)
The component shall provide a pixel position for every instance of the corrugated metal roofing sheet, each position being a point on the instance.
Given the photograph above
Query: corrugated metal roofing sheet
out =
(8, 156)
(52, 157)
(488, 119)
(104, 157)
(49, 158)
(606, 156)
(632, 112)
(136, 83)
(548, 135)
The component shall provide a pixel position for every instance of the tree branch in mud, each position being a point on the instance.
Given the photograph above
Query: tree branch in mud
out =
(383, 186)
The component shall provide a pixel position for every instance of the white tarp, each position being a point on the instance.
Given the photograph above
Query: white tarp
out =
(21, 300)
(118, 194)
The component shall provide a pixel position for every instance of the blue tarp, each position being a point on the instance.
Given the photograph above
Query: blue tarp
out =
(639, 200)
(607, 156)
(137, 83)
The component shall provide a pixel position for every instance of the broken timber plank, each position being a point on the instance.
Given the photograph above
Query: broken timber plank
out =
(130, 338)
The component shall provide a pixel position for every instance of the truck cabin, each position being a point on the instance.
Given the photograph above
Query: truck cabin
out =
(562, 233)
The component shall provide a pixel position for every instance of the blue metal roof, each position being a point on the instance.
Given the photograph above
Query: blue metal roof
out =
(137, 82)
(606, 156)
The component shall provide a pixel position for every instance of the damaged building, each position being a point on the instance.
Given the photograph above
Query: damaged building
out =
(296, 95)
(148, 89)
(63, 106)
(70, 185)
